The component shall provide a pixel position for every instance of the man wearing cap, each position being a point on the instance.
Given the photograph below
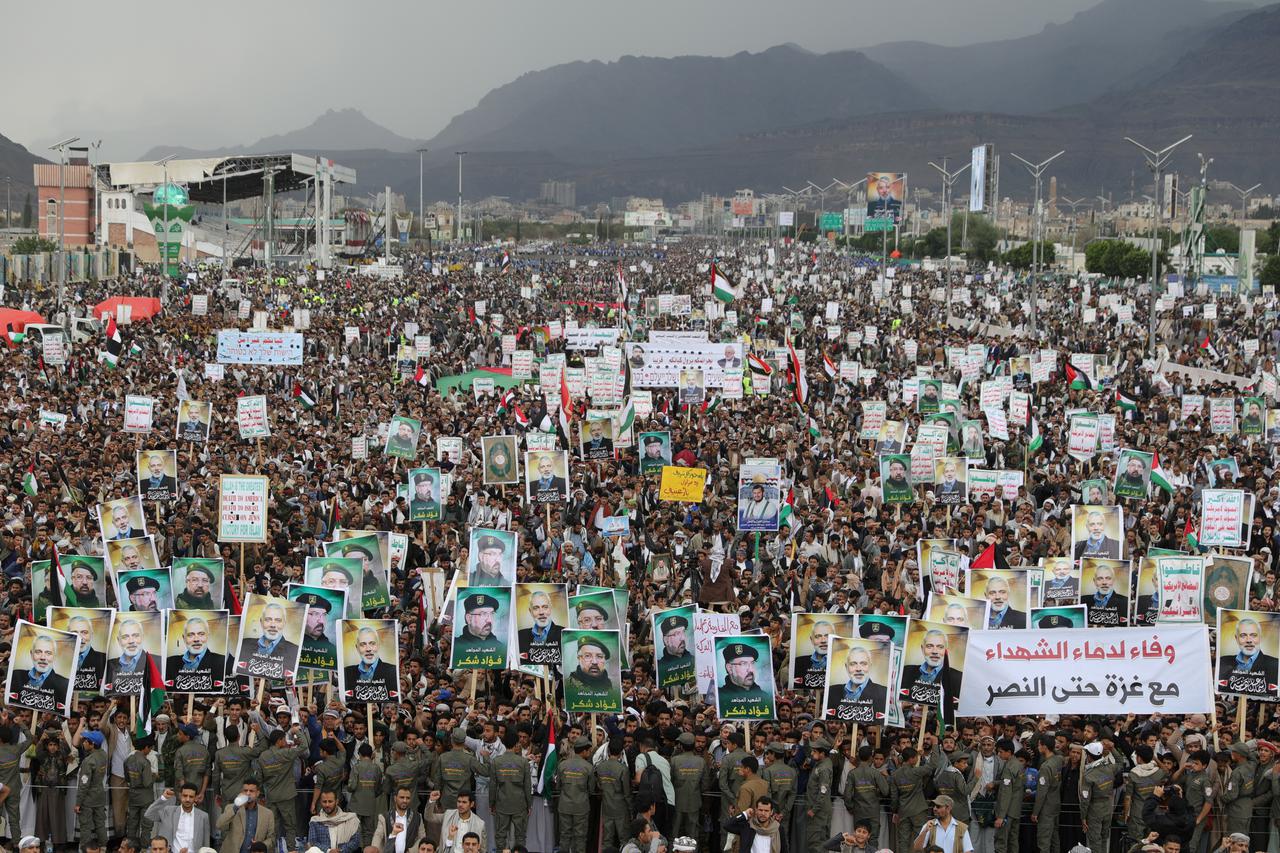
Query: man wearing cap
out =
(195, 590)
(740, 689)
(943, 830)
(1097, 786)
(614, 784)
(906, 797)
(591, 616)
(543, 635)
(864, 788)
(655, 453)
(424, 506)
(335, 576)
(1237, 794)
(689, 777)
(142, 591)
(675, 664)
(1009, 791)
(591, 677)
(403, 771)
(950, 778)
(456, 771)
(198, 668)
(91, 793)
(487, 570)
(371, 669)
(276, 759)
(511, 795)
(477, 637)
(317, 649)
(575, 782)
(83, 577)
(817, 795)
(140, 779)
(191, 761)
(1047, 809)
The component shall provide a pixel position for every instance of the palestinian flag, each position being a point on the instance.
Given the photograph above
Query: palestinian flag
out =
(797, 375)
(722, 287)
(299, 394)
(1080, 379)
(1126, 404)
(709, 406)
(759, 367)
(829, 367)
(111, 355)
(550, 761)
(135, 349)
(505, 401)
(1035, 439)
(814, 431)
(1189, 533)
(1208, 348)
(1159, 476)
(420, 376)
(153, 698)
(16, 336)
(626, 416)
(30, 484)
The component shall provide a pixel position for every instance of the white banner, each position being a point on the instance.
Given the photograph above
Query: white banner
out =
(1087, 671)
(138, 413)
(659, 365)
(251, 416)
(259, 347)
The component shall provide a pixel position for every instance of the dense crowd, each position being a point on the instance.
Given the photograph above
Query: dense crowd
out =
(459, 762)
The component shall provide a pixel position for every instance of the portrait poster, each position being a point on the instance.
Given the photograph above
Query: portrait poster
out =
(1008, 594)
(367, 547)
(325, 609)
(1104, 590)
(194, 418)
(424, 494)
(932, 663)
(693, 386)
(673, 636)
(546, 476)
(195, 656)
(42, 669)
(402, 437)
(1146, 601)
(1097, 531)
(1273, 426)
(122, 518)
(491, 557)
(594, 683)
(1059, 616)
(449, 449)
(130, 555)
(892, 437)
(542, 614)
(857, 681)
(655, 451)
(595, 439)
(270, 640)
(759, 497)
(885, 194)
(198, 583)
(1061, 581)
(595, 610)
(1133, 474)
(971, 444)
(1248, 649)
(232, 684)
(951, 609)
(811, 635)
(501, 466)
(1223, 472)
(132, 634)
(86, 584)
(251, 417)
(1226, 584)
(1254, 416)
(744, 678)
(340, 574)
(895, 479)
(950, 476)
(1096, 492)
(480, 636)
(930, 392)
(157, 472)
(369, 661)
(885, 627)
(93, 626)
(242, 507)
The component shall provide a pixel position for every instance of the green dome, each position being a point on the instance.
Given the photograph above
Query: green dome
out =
(170, 194)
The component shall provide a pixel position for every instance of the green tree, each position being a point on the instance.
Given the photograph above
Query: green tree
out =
(28, 218)
(1269, 239)
(1224, 237)
(1271, 272)
(1019, 257)
(33, 246)
(933, 244)
(981, 237)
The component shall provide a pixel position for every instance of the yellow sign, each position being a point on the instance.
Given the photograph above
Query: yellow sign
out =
(682, 484)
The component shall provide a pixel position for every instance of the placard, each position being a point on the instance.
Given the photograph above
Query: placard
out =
(259, 347)
(682, 484)
(139, 413)
(251, 417)
(242, 507)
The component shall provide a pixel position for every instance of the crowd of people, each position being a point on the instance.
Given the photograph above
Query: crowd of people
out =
(493, 763)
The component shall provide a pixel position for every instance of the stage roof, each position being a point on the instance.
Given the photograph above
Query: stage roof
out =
(205, 177)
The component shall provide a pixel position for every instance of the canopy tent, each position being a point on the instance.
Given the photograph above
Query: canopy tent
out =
(18, 319)
(141, 307)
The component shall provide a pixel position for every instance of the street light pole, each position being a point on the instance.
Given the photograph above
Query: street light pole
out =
(163, 246)
(1036, 170)
(1156, 161)
(62, 217)
(848, 201)
(457, 220)
(1244, 198)
(948, 178)
(1073, 204)
(422, 219)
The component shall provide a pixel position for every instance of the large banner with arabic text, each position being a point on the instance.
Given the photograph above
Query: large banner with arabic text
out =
(1087, 671)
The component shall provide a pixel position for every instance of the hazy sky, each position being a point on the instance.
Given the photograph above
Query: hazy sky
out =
(138, 73)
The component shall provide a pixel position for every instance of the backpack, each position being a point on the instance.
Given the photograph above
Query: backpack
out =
(651, 782)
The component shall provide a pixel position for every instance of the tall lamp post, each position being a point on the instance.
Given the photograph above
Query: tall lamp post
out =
(948, 178)
(848, 200)
(1156, 161)
(8, 209)
(1244, 199)
(60, 147)
(1073, 204)
(164, 246)
(421, 208)
(1036, 170)
(457, 220)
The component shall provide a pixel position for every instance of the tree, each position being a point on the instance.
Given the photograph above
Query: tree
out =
(1019, 257)
(1269, 240)
(33, 246)
(1224, 237)
(27, 216)
(933, 244)
(981, 237)
(1271, 272)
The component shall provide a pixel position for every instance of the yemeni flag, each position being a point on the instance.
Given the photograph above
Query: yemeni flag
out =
(1126, 404)
(505, 401)
(623, 291)
(1208, 348)
(566, 417)
(506, 263)
(759, 367)
(30, 484)
(722, 287)
(829, 367)
(1036, 439)
(797, 374)
(1159, 476)
(153, 698)
(520, 416)
(550, 761)
(420, 376)
(111, 355)
(1080, 379)
(300, 394)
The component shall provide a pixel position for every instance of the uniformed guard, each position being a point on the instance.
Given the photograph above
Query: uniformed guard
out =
(232, 764)
(1010, 788)
(615, 796)
(1198, 791)
(402, 772)
(276, 761)
(510, 797)
(953, 781)
(141, 780)
(364, 784)
(191, 761)
(864, 788)
(688, 777)
(906, 797)
(783, 782)
(817, 796)
(1237, 795)
(1097, 786)
(1048, 804)
(457, 769)
(576, 783)
(91, 794)
(328, 772)
(13, 743)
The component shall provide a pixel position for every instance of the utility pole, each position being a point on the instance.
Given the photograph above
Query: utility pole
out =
(1073, 204)
(1244, 198)
(62, 216)
(1156, 161)
(457, 220)
(948, 178)
(1036, 170)
(422, 219)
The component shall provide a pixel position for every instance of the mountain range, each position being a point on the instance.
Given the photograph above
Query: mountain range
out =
(678, 127)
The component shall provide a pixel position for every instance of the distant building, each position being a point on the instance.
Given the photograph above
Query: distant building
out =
(73, 187)
(559, 193)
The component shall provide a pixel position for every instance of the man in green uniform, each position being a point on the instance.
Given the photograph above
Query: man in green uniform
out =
(91, 795)
(140, 778)
(1237, 794)
(864, 788)
(576, 783)
(424, 506)
(740, 690)
(729, 779)
(1009, 790)
(688, 777)
(1140, 782)
(1198, 791)
(1048, 804)
(951, 781)
(328, 772)
(191, 761)
(477, 637)
(906, 798)
(1097, 786)
(232, 765)
(317, 649)
(363, 786)
(817, 796)
(457, 769)
(13, 742)
(276, 761)
(403, 772)
(675, 664)
(511, 795)
(615, 795)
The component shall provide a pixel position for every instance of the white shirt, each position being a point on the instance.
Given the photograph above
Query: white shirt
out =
(185, 833)
(403, 820)
(945, 836)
